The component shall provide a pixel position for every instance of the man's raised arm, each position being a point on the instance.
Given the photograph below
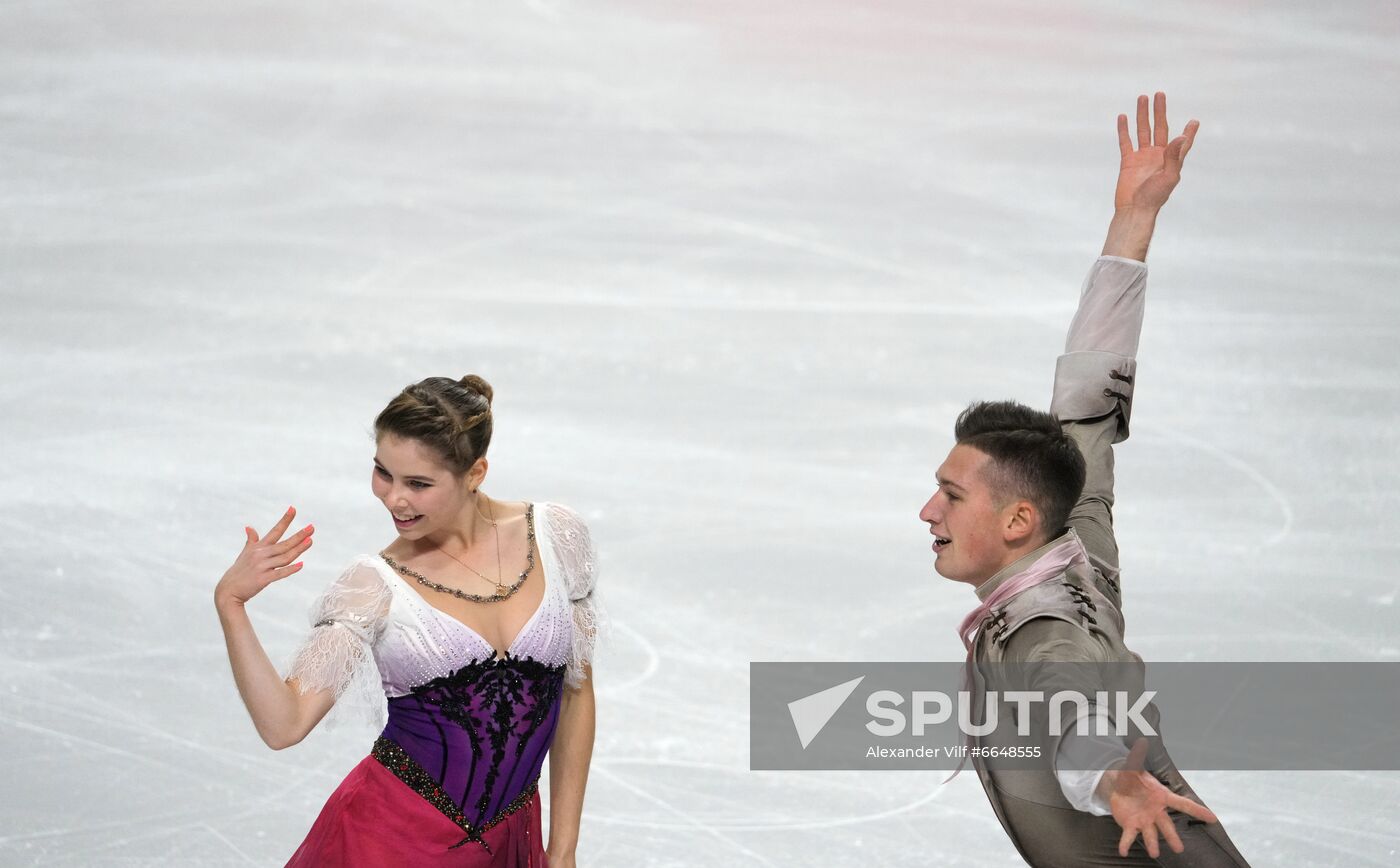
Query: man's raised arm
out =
(1093, 396)
(1094, 378)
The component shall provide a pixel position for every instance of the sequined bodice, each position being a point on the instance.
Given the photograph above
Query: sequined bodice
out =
(467, 730)
(473, 743)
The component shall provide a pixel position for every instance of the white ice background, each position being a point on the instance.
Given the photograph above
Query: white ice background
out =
(732, 267)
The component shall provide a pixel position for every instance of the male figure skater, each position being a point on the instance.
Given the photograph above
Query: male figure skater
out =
(1023, 513)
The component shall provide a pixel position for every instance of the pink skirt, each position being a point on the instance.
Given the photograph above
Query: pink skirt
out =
(375, 819)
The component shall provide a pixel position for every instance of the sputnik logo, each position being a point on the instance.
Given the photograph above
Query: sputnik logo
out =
(811, 714)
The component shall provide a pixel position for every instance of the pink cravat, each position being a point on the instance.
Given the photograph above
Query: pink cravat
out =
(1047, 567)
(1050, 565)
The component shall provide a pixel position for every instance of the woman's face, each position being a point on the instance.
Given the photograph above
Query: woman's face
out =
(420, 493)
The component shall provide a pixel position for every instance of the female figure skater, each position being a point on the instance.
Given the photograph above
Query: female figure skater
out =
(477, 622)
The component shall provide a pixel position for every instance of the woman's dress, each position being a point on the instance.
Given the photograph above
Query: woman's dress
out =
(452, 778)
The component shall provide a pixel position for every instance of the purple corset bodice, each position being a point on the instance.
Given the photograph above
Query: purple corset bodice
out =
(473, 742)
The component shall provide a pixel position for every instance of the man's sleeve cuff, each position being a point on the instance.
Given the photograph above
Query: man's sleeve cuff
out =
(1093, 385)
(1080, 762)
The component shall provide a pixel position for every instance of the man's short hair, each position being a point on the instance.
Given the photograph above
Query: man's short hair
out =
(1031, 458)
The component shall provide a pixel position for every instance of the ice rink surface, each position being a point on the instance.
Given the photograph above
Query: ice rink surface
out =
(732, 268)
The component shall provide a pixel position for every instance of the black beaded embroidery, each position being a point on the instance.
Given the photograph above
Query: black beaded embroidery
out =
(393, 757)
(506, 684)
(515, 679)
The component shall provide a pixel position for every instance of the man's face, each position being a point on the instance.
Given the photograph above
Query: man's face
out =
(967, 525)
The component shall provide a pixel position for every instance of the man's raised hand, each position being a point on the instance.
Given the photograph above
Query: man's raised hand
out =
(1148, 173)
(263, 561)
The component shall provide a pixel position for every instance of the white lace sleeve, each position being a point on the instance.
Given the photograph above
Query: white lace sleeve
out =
(577, 560)
(338, 655)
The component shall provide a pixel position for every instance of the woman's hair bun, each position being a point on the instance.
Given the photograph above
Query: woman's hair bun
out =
(478, 385)
(450, 416)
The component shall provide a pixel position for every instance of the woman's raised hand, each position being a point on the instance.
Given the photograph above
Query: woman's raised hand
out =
(263, 561)
(1148, 173)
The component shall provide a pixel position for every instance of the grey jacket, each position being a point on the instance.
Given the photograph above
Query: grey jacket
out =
(1076, 618)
